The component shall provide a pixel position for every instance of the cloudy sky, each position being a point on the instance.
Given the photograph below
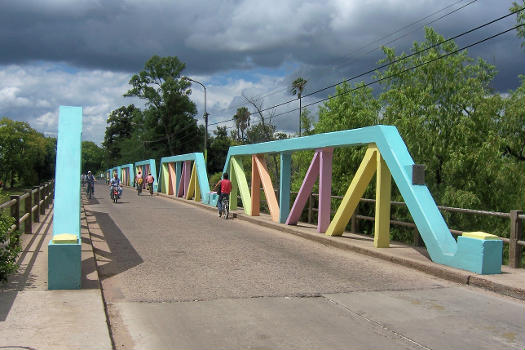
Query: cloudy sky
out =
(83, 52)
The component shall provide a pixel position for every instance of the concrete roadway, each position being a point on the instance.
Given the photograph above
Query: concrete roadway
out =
(176, 276)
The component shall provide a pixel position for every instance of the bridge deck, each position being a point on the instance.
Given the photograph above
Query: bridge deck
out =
(175, 275)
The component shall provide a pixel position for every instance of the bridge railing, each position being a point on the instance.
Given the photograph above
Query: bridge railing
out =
(515, 242)
(35, 201)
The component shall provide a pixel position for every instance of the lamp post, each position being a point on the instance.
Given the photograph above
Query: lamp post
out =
(205, 120)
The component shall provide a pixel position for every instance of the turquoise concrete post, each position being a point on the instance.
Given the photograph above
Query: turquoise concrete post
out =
(178, 171)
(284, 187)
(64, 258)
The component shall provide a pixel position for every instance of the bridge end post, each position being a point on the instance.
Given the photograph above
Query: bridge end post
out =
(64, 258)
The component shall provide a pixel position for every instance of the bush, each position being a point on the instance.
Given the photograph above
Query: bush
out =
(10, 247)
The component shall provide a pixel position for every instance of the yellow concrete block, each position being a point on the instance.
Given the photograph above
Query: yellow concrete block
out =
(480, 235)
(65, 238)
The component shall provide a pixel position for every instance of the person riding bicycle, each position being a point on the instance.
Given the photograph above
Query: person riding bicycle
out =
(90, 179)
(139, 180)
(149, 180)
(115, 182)
(225, 187)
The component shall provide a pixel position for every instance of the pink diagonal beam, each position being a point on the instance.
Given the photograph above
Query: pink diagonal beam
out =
(325, 189)
(304, 192)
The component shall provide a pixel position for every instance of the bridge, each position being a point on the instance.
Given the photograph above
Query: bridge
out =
(170, 273)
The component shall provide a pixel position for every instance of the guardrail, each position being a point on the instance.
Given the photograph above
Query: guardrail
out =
(516, 240)
(35, 202)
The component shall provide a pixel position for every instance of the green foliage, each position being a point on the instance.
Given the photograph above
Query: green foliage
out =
(27, 157)
(470, 140)
(10, 247)
(170, 113)
(92, 157)
(214, 178)
(219, 146)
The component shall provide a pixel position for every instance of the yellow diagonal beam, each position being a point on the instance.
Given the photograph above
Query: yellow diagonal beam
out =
(352, 196)
(193, 187)
(240, 183)
(383, 195)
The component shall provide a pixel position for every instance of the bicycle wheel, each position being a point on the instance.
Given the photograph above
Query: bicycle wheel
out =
(226, 208)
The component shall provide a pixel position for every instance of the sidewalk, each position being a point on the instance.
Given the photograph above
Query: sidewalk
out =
(510, 282)
(33, 317)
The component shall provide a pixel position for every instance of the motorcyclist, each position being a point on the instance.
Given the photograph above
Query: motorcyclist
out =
(115, 182)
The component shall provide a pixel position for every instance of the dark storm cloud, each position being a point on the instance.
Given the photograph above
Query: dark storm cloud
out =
(327, 41)
(219, 36)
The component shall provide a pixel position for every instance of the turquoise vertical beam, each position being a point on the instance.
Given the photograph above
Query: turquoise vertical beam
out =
(64, 259)
(153, 170)
(202, 176)
(284, 186)
(178, 171)
(131, 175)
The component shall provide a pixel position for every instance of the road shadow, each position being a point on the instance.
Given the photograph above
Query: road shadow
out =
(117, 254)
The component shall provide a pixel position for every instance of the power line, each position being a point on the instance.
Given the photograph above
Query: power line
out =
(273, 92)
(405, 70)
(380, 67)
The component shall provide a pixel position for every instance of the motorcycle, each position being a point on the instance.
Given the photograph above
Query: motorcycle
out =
(115, 194)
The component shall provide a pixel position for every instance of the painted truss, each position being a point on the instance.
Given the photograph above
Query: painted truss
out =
(185, 176)
(127, 174)
(387, 157)
(146, 167)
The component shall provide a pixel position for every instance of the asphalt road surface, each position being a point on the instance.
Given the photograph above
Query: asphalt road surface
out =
(177, 276)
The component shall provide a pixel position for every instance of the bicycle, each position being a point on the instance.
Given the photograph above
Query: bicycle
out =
(89, 190)
(225, 207)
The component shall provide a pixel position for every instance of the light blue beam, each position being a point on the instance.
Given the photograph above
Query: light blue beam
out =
(202, 175)
(476, 255)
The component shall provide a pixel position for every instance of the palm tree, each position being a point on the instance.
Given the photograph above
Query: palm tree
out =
(242, 122)
(297, 89)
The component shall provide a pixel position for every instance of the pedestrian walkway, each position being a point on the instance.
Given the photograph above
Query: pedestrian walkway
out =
(33, 317)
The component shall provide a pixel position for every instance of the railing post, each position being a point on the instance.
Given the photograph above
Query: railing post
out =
(29, 221)
(416, 238)
(36, 201)
(310, 199)
(353, 223)
(41, 197)
(516, 234)
(15, 211)
(46, 196)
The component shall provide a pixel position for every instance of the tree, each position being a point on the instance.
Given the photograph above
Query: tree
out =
(23, 153)
(92, 157)
(170, 113)
(470, 139)
(242, 122)
(297, 89)
(122, 122)
(219, 146)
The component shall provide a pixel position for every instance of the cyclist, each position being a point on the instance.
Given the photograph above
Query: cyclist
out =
(149, 180)
(138, 182)
(90, 179)
(225, 189)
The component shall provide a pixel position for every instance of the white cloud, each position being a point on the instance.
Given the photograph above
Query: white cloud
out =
(33, 93)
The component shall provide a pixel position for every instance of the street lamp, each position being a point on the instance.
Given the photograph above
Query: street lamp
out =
(205, 120)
